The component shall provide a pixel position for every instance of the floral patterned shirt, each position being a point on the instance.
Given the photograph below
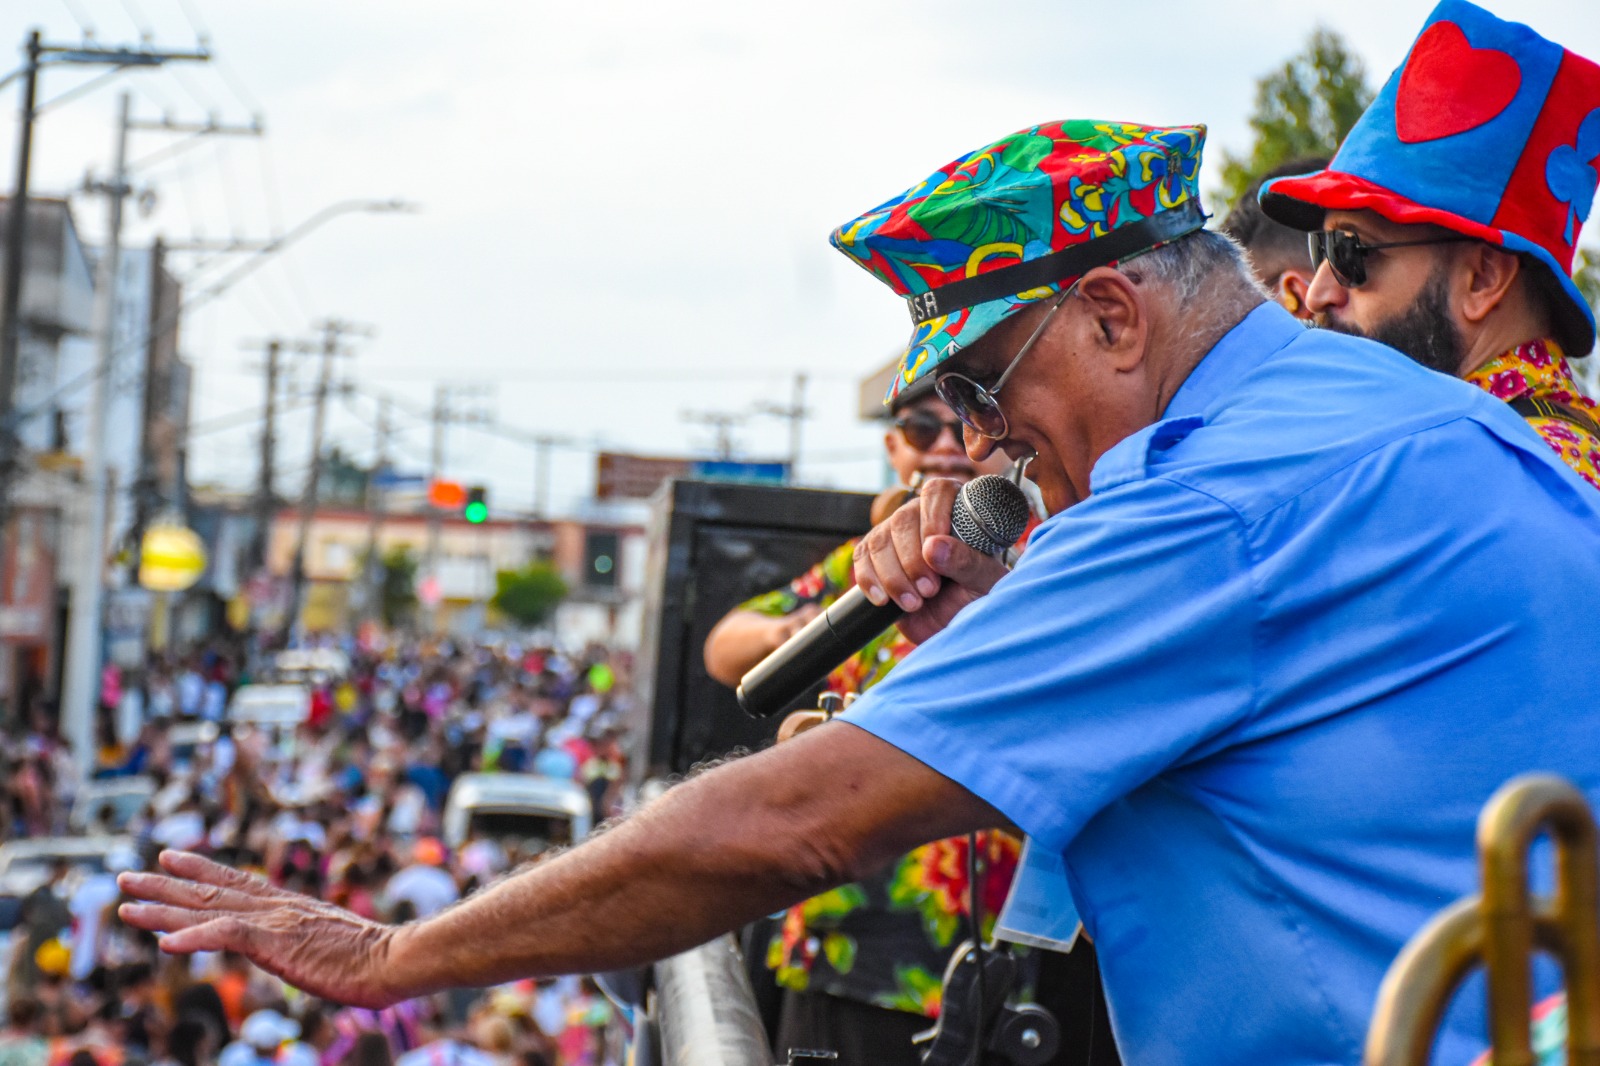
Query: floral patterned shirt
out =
(1539, 370)
(884, 941)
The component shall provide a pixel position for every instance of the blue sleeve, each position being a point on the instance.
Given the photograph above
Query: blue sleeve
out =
(1122, 645)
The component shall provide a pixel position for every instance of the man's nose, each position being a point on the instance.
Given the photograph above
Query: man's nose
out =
(949, 439)
(978, 446)
(1325, 292)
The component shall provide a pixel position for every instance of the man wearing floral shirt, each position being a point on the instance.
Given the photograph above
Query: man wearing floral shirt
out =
(861, 965)
(1446, 227)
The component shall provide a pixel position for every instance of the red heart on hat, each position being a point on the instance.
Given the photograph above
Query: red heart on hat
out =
(1449, 87)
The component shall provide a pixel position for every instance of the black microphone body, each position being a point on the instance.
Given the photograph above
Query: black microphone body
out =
(990, 514)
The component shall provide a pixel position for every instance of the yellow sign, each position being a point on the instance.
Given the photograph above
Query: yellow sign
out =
(171, 558)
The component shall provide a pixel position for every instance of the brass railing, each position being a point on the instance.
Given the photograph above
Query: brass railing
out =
(1501, 928)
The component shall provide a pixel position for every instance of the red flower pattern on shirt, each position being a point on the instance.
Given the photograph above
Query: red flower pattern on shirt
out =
(1539, 369)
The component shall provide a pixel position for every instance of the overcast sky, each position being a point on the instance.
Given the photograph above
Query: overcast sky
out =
(624, 204)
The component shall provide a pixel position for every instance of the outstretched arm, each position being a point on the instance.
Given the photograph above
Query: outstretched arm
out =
(740, 841)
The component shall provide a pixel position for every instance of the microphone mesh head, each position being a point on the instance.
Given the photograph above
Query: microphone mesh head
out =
(990, 514)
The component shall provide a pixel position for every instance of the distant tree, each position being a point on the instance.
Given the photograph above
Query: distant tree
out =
(1586, 272)
(397, 586)
(528, 596)
(1304, 108)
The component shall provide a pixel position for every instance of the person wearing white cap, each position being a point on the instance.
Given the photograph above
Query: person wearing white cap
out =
(261, 1037)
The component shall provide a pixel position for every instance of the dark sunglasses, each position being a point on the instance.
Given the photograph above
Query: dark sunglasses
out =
(1344, 252)
(921, 429)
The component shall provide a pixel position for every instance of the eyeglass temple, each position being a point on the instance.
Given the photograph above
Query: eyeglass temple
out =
(1043, 322)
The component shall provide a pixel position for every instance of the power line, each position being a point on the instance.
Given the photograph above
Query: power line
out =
(79, 17)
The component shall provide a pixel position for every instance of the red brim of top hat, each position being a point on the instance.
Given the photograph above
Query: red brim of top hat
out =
(1301, 202)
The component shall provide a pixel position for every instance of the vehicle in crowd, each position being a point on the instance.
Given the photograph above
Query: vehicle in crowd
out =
(107, 805)
(187, 738)
(27, 864)
(10, 919)
(528, 813)
(310, 666)
(284, 705)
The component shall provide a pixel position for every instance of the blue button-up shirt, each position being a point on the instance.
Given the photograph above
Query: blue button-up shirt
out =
(1257, 687)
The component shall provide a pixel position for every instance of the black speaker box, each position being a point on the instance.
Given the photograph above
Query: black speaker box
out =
(712, 546)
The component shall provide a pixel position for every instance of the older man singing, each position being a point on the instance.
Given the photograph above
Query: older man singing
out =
(1253, 687)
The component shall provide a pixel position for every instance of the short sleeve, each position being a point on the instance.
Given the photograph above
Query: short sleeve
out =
(1122, 645)
(821, 585)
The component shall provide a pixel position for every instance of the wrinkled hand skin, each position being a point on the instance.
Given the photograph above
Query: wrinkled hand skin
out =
(200, 905)
(913, 559)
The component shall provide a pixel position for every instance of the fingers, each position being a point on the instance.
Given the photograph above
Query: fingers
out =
(878, 564)
(217, 934)
(936, 501)
(889, 560)
(158, 888)
(192, 867)
(160, 918)
(967, 567)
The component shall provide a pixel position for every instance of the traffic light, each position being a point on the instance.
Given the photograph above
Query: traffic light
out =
(600, 549)
(476, 509)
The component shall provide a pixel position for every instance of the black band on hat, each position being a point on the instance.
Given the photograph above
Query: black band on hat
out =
(1049, 269)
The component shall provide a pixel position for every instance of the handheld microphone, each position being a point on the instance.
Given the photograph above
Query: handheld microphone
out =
(990, 513)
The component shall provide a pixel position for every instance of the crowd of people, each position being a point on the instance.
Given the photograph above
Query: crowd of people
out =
(346, 807)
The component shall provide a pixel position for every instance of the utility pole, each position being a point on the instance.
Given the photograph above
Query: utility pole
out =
(266, 494)
(377, 500)
(796, 413)
(446, 410)
(721, 423)
(11, 294)
(332, 329)
(541, 475)
(83, 634)
(38, 55)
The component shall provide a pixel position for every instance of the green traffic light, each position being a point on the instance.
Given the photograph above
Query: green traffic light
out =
(476, 512)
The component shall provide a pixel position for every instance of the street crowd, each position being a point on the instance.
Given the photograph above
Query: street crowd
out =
(346, 807)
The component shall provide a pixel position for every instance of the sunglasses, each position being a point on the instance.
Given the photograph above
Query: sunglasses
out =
(921, 429)
(975, 404)
(1346, 255)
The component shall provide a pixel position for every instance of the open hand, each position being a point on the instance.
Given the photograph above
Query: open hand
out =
(913, 559)
(325, 950)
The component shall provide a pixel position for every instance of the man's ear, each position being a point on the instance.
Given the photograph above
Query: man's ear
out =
(1490, 273)
(1117, 315)
(1293, 284)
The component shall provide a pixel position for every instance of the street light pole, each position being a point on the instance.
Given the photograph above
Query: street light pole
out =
(83, 634)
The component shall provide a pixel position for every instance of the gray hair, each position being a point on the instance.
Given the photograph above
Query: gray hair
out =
(1204, 263)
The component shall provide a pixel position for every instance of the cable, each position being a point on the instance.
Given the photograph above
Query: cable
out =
(225, 70)
(79, 17)
(288, 264)
(192, 17)
(136, 16)
(975, 929)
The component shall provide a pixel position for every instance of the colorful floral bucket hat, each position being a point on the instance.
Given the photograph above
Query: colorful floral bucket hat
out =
(1487, 129)
(1001, 228)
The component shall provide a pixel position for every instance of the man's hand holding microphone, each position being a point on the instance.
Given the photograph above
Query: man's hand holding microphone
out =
(932, 557)
(915, 560)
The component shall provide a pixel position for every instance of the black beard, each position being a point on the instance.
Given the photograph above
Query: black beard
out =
(1424, 331)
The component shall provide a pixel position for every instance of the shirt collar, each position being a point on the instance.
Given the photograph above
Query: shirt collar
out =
(1537, 368)
(1257, 337)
